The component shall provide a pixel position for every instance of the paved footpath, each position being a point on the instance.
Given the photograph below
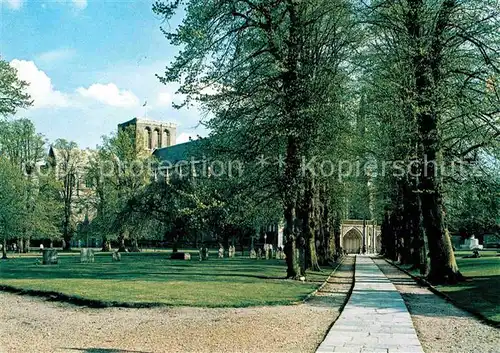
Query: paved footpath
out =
(375, 318)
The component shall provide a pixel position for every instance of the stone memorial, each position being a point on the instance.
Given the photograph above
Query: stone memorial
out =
(253, 254)
(116, 256)
(221, 252)
(180, 256)
(86, 255)
(471, 244)
(259, 253)
(205, 253)
(50, 257)
(232, 251)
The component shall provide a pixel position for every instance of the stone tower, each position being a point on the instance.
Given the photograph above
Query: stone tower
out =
(154, 134)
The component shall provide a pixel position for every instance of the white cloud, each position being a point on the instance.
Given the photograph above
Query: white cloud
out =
(109, 94)
(40, 88)
(56, 55)
(79, 4)
(164, 99)
(12, 4)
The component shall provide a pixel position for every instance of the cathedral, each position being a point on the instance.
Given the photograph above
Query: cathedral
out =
(152, 133)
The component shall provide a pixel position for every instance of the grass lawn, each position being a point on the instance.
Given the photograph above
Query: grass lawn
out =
(151, 277)
(481, 292)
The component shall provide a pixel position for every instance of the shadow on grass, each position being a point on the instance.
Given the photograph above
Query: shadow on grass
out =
(478, 295)
(83, 284)
(151, 267)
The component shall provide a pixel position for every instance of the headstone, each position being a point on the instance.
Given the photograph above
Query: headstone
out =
(471, 244)
(50, 257)
(253, 254)
(205, 253)
(259, 253)
(86, 255)
(221, 252)
(180, 256)
(200, 253)
(116, 256)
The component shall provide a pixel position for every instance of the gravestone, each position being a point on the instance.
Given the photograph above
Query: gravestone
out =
(471, 244)
(221, 252)
(116, 256)
(232, 251)
(204, 253)
(200, 253)
(180, 256)
(50, 257)
(259, 253)
(253, 254)
(279, 253)
(86, 255)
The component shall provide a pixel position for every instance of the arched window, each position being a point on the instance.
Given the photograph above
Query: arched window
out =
(166, 137)
(156, 138)
(149, 142)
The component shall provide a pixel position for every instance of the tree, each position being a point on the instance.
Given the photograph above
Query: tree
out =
(67, 159)
(12, 206)
(437, 55)
(25, 149)
(118, 172)
(270, 65)
(12, 90)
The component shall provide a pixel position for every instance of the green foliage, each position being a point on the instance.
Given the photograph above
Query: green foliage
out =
(12, 90)
(12, 207)
(118, 171)
(24, 150)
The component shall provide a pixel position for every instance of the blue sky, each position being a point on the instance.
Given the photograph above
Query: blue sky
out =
(91, 65)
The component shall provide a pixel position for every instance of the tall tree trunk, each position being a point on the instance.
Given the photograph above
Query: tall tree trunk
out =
(292, 105)
(27, 243)
(4, 248)
(428, 67)
(20, 245)
(309, 225)
(443, 266)
(106, 246)
(121, 241)
(328, 231)
(292, 260)
(337, 229)
(135, 245)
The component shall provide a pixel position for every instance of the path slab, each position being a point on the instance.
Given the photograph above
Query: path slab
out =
(375, 318)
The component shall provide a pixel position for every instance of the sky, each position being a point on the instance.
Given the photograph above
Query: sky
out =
(91, 65)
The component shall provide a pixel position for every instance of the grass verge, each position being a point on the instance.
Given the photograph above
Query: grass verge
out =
(152, 279)
(480, 293)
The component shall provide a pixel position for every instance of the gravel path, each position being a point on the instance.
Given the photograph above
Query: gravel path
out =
(30, 325)
(441, 326)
